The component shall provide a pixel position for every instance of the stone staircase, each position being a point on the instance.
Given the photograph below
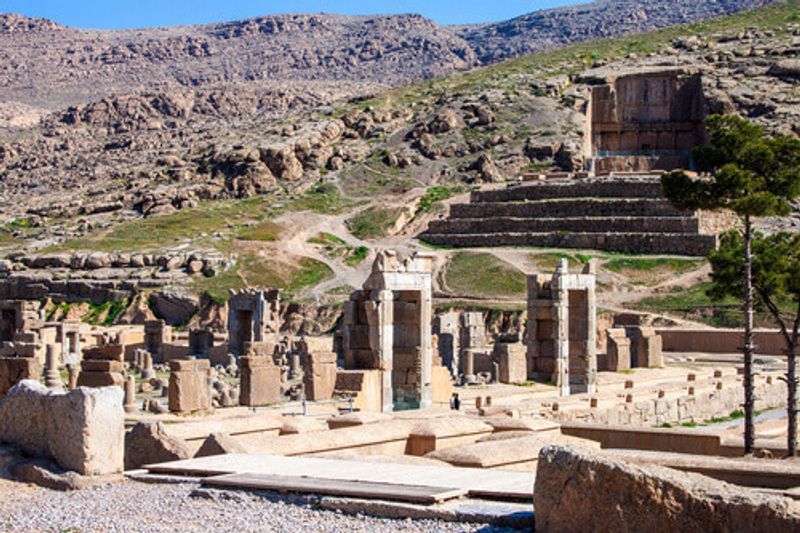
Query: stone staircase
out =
(618, 214)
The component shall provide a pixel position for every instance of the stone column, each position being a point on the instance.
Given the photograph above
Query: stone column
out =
(130, 396)
(469, 366)
(561, 330)
(147, 367)
(74, 372)
(52, 378)
(426, 350)
(381, 337)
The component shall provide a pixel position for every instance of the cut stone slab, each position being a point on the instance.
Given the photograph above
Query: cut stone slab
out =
(489, 484)
(579, 490)
(337, 487)
(523, 451)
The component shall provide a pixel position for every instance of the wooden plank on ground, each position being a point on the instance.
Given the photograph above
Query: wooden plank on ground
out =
(337, 487)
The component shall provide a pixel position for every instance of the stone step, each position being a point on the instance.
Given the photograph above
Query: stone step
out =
(569, 208)
(593, 188)
(633, 243)
(688, 224)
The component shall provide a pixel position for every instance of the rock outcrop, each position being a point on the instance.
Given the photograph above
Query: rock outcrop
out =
(578, 490)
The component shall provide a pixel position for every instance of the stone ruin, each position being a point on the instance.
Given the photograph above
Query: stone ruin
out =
(253, 316)
(188, 385)
(631, 346)
(638, 125)
(647, 120)
(157, 335)
(561, 336)
(103, 365)
(386, 330)
(261, 382)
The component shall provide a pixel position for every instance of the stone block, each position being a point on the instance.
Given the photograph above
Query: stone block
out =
(81, 430)
(572, 484)
(618, 351)
(188, 386)
(260, 382)
(320, 376)
(92, 365)
(513, 362)
(15, 369)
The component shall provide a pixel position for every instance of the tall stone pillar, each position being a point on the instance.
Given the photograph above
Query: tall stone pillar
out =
(426, 349)
(561, 330)
(381, 338)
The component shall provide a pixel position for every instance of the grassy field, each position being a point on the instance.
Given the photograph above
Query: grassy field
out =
(266, 232)
(252, 270)
(651, 270)
(694, 304)
(197, 224)
(483, 275)
(374, 222)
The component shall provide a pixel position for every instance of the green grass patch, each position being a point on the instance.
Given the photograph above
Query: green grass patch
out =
(549, 261)
(106, 313)
(336, 247)
(374, 222)
(693, 303)
(648, 263)
(217, 287)
(327, 239)
(168, 230)
(434, 196)
(484, 275)
(325, 199)
(266, 232)
(358, 255)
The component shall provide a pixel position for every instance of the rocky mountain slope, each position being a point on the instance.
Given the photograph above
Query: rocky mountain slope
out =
(547, 29)
(46, 65)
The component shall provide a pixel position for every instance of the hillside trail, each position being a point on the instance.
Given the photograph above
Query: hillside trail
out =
(300, 227)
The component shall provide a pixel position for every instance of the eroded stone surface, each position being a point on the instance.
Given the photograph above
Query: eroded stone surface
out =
(81, 430)
(573, 485)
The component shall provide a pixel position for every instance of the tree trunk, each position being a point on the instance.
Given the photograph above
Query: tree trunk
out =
(791, 404)
(749, 400)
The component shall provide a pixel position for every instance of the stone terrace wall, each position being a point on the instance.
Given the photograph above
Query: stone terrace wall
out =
(623, 214)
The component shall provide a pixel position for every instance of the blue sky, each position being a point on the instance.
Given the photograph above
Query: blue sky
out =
(146, 13)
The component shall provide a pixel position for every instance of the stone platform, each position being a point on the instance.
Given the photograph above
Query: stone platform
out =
(477, 483)
(621, 214)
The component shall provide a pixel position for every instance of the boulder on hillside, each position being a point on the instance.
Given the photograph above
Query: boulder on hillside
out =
(149, 443)
(579, 490)
(173, 306)
(785, 69)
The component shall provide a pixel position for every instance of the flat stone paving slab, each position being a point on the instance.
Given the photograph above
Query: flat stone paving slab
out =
(478, 483)
(336, 487)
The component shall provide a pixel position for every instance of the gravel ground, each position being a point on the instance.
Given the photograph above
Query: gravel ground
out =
(134, 506)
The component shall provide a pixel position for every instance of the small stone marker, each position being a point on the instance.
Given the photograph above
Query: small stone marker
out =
(629, 384)
(691, 391)
(593, 402)
(478, 402)
(488, 401)
(691, 377)
(717, 373)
